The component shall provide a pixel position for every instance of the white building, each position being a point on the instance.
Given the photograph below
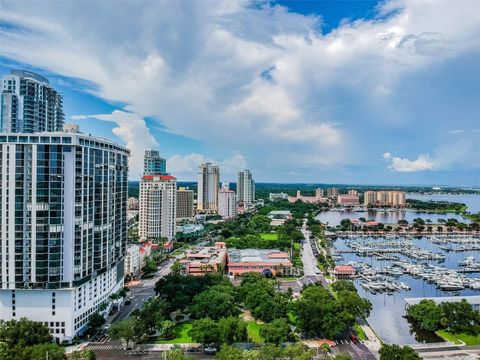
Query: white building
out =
(208, 180)
(29, 104)
(133, 264)
(63, 227)
(227, 203)
(278, 196)
(157, 207)
(245, 187)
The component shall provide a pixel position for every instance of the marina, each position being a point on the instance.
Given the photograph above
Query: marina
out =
(393, 267)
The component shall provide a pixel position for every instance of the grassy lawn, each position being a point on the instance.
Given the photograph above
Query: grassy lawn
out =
(457, 338)
(181, 335)
(361, 334)
(292, 318)
(253, 330)
(269, 236)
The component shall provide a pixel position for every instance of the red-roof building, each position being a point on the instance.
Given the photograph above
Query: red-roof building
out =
(344, 271)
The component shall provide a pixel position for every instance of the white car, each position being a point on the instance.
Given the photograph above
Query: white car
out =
(317, 271)
(107, 326)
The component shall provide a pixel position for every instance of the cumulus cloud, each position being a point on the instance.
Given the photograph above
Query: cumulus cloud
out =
(259, 79)
(131, 128)
(422, 163)
(186, 167)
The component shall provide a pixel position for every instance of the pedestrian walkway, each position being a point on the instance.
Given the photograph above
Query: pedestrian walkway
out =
(104, 347)
(373, 343)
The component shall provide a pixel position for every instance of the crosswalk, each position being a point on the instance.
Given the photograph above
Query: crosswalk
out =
(348, 342)
(105, 347)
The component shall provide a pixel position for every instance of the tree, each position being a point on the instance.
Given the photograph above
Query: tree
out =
(319, 314)
(95, 321)
(177, 354)
(20, 334)
(176, 268)
(83, 355)
(40, 351)
(216, 302)
(396, 352)
(205, 331)
(124, 330)
(354, 305)
(167, 329)
(426, 314)
(343, 285)
(232, 330)
(150, 266)
(325, 348)
(276, 332)
(228, 352)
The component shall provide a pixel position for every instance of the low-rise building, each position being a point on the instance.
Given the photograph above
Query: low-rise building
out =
(308, 199)
(348, 200)
(344, 271)
(277, 196)
(279, 217)
(203, 260)
(268, 262)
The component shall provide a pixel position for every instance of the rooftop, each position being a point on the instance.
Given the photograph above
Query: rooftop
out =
(159, 177)
(256, 255)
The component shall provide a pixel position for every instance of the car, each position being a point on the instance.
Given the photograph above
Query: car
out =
(317, 271)
(354, 339)
(107, 326)
(210, 350)
(128, 301)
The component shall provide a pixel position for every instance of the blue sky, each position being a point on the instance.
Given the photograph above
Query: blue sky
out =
(297, 91)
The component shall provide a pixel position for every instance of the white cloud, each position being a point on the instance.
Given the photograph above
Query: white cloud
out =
(422, 163)
(186, 167)
(196, 69)
(458, 131)
(131, 128)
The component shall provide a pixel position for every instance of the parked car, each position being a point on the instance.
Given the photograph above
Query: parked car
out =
(210, 350)
(354, 339)
(107, 326)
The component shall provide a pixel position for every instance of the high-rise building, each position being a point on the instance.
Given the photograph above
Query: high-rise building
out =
(319, 193)
(332, 192)
(29, 104)
(157, 208)
(184, 203)
(227, 203)
(63, 227)
(207, 193)
(370, 197)
(245, 187)
(385, 198)
(352, 192)
(153, 163)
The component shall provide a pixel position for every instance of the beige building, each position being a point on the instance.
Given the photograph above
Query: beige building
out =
(208, 181)
(157, 213)
(184, 203)
(385, 198)
(319, 193)
(332, 192)
(202, 260)
(227, 203)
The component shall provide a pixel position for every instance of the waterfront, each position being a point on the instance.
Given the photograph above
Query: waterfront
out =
(334, 217)
(472, 201)
(387, 317)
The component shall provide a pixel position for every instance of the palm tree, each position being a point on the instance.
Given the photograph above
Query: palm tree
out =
(325, 348)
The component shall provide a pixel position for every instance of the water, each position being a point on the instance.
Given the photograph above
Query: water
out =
(387, 317)
(472, 201)
(333, 218)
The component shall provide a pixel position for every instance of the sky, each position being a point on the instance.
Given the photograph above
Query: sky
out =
(364, 92)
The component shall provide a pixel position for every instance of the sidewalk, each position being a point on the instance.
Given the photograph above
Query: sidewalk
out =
(373, 343)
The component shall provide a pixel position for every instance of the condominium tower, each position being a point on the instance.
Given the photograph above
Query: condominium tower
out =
(382, 198)
(29, 104)
(63, 227)
(207, 193)
(245, 187)
(153, 163)
(227, 203)
(157, 208)
(184, 203)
